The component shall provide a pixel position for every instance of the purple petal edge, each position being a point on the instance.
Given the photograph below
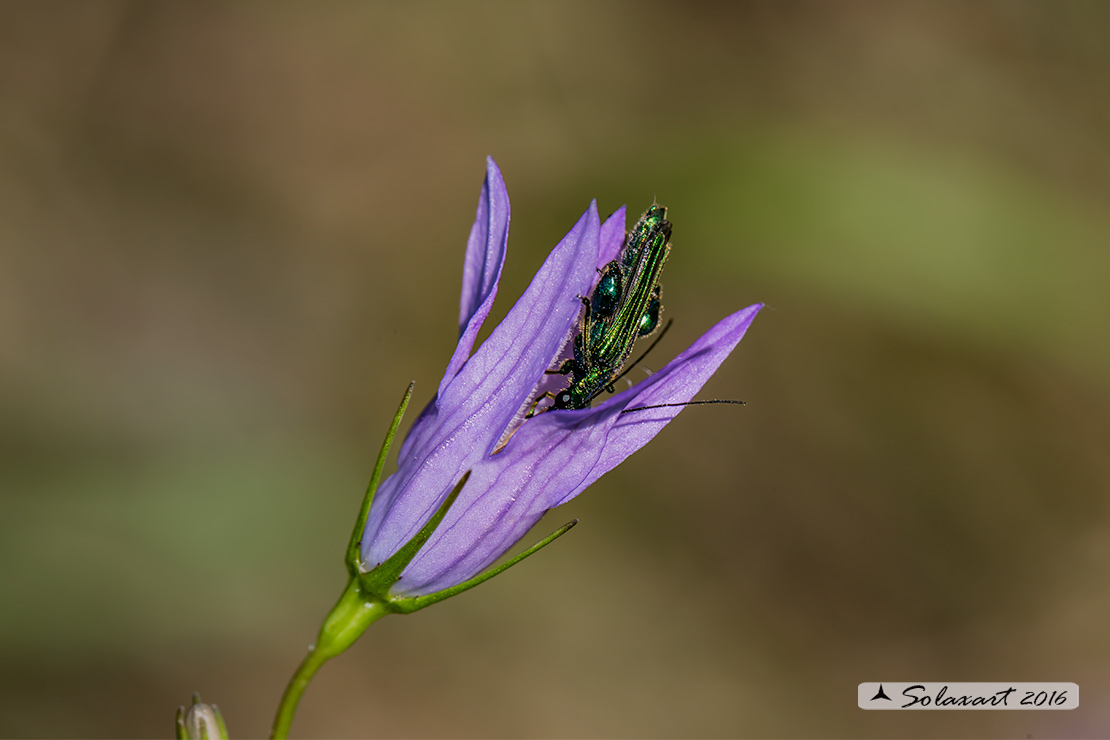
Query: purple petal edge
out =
(486, 248)
(485, 258)
(679, 381)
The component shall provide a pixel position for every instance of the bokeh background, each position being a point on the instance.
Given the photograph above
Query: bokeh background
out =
(231, 233)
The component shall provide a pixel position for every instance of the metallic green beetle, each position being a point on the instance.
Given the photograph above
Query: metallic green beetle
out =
(625, 306)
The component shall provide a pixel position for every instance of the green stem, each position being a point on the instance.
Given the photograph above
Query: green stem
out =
(305, 671)
(348, 619)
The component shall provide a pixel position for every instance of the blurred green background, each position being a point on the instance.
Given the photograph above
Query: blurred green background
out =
(230, 233)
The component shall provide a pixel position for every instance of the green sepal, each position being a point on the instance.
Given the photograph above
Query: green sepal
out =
(354, 547)
(381, 578)
(408, 605)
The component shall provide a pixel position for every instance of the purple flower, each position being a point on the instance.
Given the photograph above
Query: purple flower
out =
(547, 460)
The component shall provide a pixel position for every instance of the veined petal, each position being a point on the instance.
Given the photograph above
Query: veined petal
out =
(679, 381)
(507, 494)
(477, 405)
(503, 372)
(485, 257)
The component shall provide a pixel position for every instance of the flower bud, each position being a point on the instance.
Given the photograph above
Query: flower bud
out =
(200, 722)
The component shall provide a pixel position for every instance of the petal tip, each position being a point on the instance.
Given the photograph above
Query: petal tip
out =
(494, 176)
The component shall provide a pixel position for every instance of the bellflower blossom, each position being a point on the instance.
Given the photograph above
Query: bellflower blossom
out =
(474, 473)
(548, 459)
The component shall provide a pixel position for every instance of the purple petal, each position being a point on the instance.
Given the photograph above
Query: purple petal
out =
(679, 381)
(485, 256)
(507, 494)
(506, 368)
(612, 238)
(478, 404)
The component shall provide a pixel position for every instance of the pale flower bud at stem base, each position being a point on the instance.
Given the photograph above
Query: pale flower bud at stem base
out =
(200, 722)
